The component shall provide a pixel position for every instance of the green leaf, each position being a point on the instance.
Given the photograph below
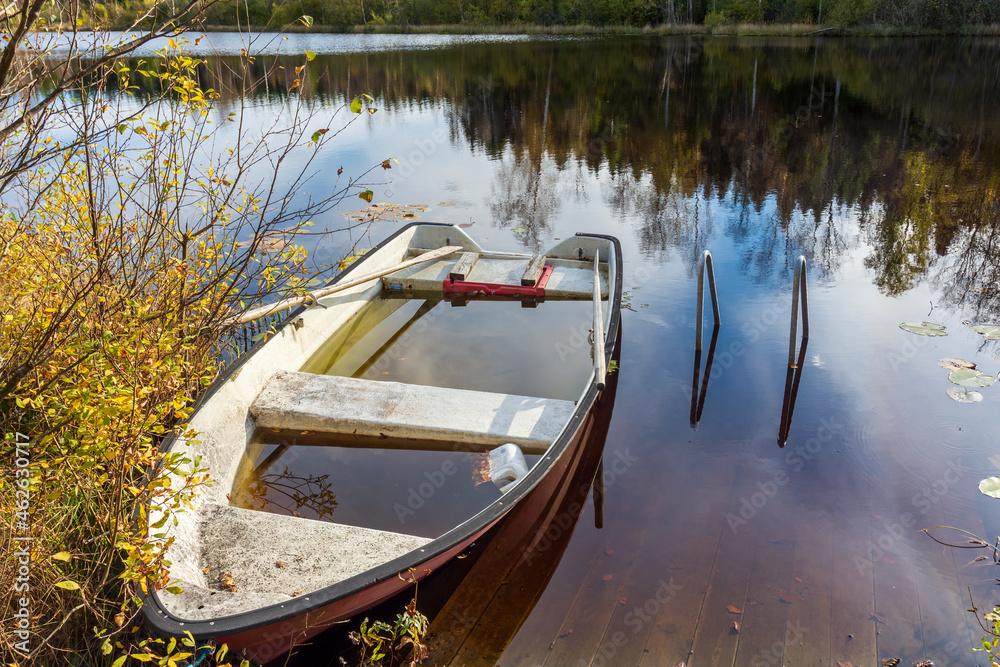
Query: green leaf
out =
(221, 653)
(306, 20)
(989, 331)
(310, 56)
(924, 328)
(367, 195)
(519, 230)
(68, 585)
(969, 377)
(121, 128)
(120, 661)
(356, 105)
(991, 487)
(64, 556)
(963, 395)
(315, 137)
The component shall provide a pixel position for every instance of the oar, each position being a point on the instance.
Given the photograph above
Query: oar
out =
(599, 361)
(291, 302)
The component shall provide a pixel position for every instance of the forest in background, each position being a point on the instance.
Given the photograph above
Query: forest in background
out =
(955, 16)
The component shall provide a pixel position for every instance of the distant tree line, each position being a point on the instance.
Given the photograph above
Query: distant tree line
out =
(924, 14)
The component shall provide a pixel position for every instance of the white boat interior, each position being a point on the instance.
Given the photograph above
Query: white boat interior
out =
(229, 559)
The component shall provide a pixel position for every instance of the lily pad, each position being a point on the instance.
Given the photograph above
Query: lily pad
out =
(924, 328)
(963, 395)
(991, 487)
(989, 331)
(968, 377)
(953, 363)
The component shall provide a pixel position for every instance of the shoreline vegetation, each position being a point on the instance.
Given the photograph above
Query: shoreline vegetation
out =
(664, 30)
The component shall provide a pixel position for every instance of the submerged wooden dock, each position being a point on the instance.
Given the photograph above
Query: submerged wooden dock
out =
(701, 575)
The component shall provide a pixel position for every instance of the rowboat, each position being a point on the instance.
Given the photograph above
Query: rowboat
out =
(442, 383)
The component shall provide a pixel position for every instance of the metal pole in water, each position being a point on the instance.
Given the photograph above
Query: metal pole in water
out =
(706, 261)
(711, 288)
(805, 299)
(798, 286)
(700, 311)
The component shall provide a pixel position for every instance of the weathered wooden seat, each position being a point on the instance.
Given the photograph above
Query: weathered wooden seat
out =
(467, 420)
(570, 279)
(251, 558)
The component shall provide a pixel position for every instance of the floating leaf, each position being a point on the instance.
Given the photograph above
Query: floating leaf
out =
(356, 108)
(953, 363)
(519, 230)
(924, 328)
(991, 487)
(968, 377)
(989, 331)
(963, 395)
(446, 203)
(734, 609)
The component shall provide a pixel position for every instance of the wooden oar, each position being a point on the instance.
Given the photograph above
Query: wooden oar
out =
(599, 362)
(291, 302)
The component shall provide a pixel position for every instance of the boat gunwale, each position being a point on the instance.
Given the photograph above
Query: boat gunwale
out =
(167, 623)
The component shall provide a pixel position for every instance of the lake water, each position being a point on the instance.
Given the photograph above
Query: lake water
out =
(876, 160)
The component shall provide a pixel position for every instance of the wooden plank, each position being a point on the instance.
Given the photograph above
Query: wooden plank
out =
(602, 589)
(897, 609)
(807, 632)
(463, 267)
(715, 639)
(942, 599)
(765, 614)
(314, 297)
(534, 270)
(852, 631)
(667, 587)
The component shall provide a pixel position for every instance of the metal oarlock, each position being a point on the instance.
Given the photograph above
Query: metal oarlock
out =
(706, 260)
(798, 286)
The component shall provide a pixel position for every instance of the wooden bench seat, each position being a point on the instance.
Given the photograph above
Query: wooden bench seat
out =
(454, 419)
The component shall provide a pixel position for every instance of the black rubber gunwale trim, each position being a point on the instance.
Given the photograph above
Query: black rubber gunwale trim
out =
(165, 622)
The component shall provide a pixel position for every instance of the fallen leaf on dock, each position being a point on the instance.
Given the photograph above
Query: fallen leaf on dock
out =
(734, 610)
(609, 551)
(785, 599)
(608, 577)
(228, 583)
(878, 618)
(280, 563)
(798, 579)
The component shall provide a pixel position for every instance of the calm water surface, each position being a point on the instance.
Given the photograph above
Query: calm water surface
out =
(879, 161)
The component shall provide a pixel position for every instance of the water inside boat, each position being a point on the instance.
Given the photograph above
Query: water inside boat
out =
(502, 346)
